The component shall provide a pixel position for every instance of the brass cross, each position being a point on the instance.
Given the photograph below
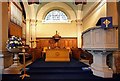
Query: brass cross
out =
(106, 22)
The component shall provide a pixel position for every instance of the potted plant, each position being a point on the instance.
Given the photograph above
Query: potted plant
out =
(13, 45)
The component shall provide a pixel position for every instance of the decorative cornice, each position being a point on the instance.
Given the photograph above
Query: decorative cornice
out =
(79, 22)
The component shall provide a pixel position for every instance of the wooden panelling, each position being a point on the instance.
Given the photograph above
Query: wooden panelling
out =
(15, 30)
(63, 42)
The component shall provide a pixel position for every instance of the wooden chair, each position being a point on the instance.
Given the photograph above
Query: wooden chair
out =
(76, 52)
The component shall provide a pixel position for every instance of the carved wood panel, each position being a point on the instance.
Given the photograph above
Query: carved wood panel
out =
(63, 42)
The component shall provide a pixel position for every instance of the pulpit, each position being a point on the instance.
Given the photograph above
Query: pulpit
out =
(100, 43)
(56, 38)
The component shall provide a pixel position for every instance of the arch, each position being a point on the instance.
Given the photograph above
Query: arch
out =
(56, 5)
(56, 8)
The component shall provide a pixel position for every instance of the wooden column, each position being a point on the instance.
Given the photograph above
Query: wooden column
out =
(3, 32)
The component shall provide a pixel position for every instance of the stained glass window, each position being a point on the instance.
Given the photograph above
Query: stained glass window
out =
(56, 16)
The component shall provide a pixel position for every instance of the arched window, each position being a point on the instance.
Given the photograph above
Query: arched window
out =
(56, 16)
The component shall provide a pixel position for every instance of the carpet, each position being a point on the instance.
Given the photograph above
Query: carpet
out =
(58, 71)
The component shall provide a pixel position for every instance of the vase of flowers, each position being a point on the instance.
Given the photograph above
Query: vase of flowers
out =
(13, 45)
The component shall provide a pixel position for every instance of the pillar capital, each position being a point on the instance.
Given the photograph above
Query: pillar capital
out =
(79, 22)
(33, 22)
(27, 19)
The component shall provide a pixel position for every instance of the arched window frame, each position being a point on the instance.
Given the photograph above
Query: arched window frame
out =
(61, 13)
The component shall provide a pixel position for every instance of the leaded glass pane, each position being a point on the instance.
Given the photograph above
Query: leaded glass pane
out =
(56, 15)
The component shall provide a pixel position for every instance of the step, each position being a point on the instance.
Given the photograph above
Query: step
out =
(62, 76)
(53, 76)
(39, 64)
(56, 71)
(72, 68)
(58, 77)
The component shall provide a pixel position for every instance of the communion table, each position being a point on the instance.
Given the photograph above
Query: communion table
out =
(57, 55)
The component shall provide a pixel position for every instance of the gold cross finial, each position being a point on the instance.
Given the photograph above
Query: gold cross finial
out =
(106, 22)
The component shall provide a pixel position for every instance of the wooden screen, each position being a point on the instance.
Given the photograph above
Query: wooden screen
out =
(63, 42)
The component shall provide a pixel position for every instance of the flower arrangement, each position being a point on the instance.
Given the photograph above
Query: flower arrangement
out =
(14, 42)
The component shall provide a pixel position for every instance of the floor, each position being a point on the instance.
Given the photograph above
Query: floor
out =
(58, 71)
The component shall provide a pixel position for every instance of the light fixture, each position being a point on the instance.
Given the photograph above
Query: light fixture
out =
(33, 2)
(80, 2)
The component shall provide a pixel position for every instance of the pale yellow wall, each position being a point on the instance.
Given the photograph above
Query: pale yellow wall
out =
(112, 11)
(56, 5)
(49, 29)
(87, 7)
(64, 30)
(93, 17)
